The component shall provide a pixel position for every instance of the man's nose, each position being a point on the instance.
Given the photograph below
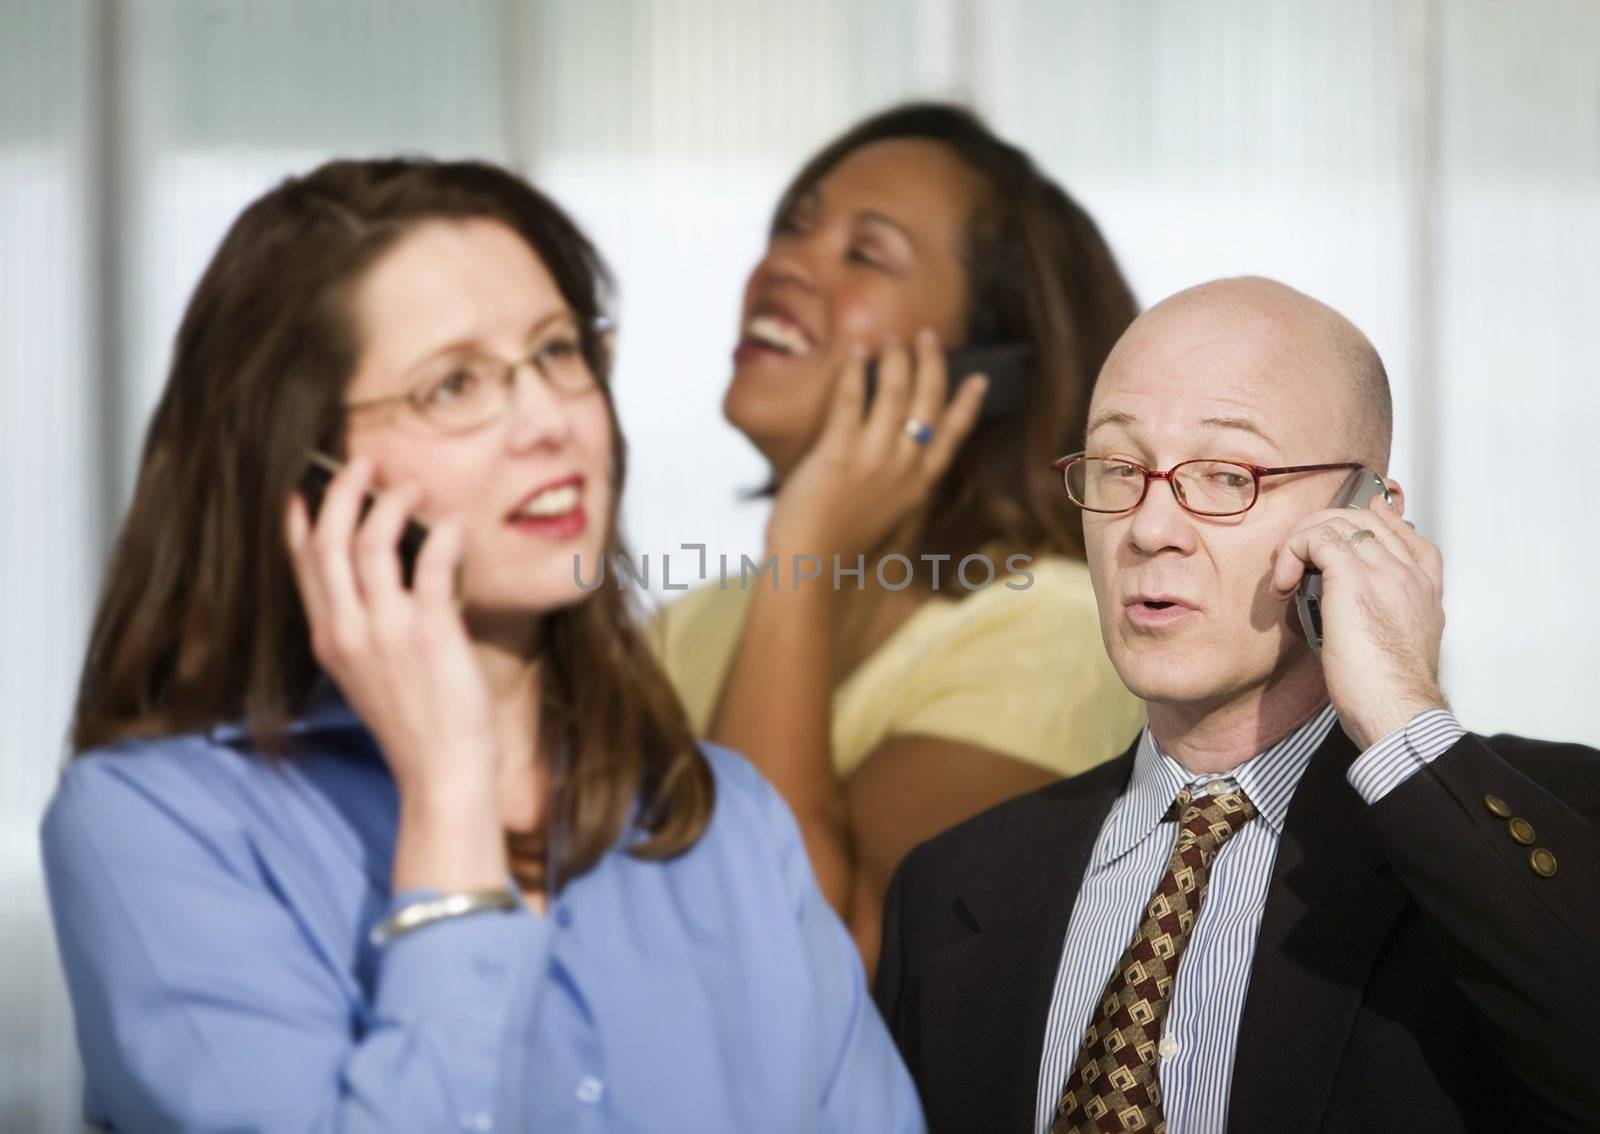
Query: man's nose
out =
(1159, 522)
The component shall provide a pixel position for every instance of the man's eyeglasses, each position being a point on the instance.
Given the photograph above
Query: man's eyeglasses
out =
(459, 392)
(1202, 487)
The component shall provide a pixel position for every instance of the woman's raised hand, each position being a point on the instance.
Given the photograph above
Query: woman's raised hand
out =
(401, 657)
(868, 472)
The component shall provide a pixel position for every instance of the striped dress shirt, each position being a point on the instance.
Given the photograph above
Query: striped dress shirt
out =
(1197, 1047)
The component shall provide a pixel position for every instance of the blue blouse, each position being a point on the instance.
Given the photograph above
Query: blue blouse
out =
(212, 911)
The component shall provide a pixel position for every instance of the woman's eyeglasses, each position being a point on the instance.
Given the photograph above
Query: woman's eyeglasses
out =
(460, 392)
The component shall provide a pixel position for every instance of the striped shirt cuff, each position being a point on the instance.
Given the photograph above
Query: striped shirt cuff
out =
(1397, 757)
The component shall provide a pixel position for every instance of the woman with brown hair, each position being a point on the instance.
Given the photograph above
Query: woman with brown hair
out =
(895, 693)
(352, 843)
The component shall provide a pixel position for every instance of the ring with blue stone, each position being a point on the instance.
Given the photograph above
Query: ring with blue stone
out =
(921, 432)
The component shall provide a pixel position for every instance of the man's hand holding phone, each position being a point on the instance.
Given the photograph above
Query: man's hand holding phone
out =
(1382, 613)
(873, 467)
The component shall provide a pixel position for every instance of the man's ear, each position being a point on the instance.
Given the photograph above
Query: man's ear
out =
(1397, 495)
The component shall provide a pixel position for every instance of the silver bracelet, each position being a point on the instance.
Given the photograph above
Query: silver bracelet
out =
(426, 911)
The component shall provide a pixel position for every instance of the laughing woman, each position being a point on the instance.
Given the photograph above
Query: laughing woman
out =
(887, 710)
(338, 853)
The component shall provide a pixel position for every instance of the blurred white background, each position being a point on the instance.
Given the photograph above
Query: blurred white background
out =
(1430, 167)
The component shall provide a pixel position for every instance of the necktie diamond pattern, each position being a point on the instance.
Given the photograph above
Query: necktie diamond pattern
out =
(1113, 1086)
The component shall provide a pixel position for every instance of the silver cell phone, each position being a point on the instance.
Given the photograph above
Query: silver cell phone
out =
(1357, 492)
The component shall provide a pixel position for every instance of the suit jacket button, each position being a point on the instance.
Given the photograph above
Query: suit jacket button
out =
(1521, 830)
(1543, 862)
(1497, 807)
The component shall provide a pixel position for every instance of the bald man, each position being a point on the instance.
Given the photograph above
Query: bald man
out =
(1305, 898)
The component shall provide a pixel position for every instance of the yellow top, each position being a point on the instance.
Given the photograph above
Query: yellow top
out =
(1018, 670)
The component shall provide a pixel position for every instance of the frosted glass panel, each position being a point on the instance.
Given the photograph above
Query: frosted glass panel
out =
(49, 515)
(1519, 364)
(1223, 139)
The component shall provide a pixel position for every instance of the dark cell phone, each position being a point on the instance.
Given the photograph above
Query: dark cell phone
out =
(319, 473)
(1357, 492)
(1008, 366)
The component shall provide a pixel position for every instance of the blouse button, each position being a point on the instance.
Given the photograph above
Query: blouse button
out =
(590, 1089)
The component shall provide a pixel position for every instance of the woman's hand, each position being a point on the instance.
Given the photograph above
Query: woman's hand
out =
(864, 477)
(402, 658)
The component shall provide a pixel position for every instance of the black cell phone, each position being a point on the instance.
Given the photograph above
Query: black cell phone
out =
(1357, 492)
(319, 473)
(1009, 367)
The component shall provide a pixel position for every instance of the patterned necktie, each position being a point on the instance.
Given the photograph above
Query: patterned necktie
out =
(1113, 1086)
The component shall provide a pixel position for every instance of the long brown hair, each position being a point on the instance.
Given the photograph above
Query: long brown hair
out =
(1038, 271)
(200, 621)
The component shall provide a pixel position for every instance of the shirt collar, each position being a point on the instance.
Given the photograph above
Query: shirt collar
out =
(326, 711)
(1268, 778)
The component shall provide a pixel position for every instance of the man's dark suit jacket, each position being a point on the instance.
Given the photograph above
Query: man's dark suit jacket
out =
(1413, 972)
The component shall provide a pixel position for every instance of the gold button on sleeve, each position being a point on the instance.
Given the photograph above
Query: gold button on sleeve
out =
(1497, 806)
(1521, 830)
(1543, 862)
